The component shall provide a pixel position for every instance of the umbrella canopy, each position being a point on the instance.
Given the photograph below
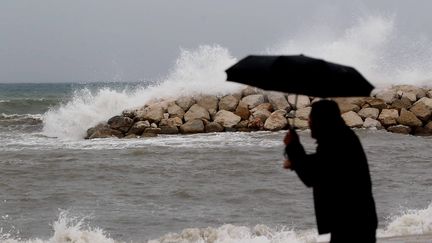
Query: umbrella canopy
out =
(299, 74)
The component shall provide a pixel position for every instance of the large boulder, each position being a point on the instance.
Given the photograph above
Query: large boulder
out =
(303, 113)
(175, 111)
(213, 127)
(376, 103)
(168, 130)
(278, 101)
(302, 101)
(192, 126)
(152, 113)
(388, 117)
(429, 93)
(399, 129)
(227, 118)
(250, 91)
(298, 123)
(402, 103)
(419, 92)
(263, 114)
(185, 102)
(228, 103)
(208, 102)
(426, 101)
(421, 111)
(196, 112)
(412, 97)
(408, 118)
(255, 123)
(242, 111)
(388, 96)
(276, 121)
(372, 123)
(349, 104)
(263, 106)
(352, 119)
(120, 123)
(242, 125)
(139, 127)
(253, 101)
(424, 131)
(103, 131)
(358, 101)
(91, 130)
(171, 122)
(345, 107)
(369, 112)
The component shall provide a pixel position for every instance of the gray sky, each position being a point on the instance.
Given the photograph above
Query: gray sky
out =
(129, 40)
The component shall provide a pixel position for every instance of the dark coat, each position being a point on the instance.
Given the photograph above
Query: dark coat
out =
(339, 174)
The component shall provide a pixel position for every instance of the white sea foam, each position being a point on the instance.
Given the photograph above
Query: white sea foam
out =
(241, 234)
(410, 222)
(373, 45)
(68, 228)
(196, 72)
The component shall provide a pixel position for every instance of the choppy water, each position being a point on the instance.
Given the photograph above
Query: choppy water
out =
(228, 187)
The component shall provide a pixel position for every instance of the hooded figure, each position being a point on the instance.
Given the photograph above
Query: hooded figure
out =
(338, 173)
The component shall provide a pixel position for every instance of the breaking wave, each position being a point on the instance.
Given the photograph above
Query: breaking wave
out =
(373, 45)
(68, 228)
(196, 72)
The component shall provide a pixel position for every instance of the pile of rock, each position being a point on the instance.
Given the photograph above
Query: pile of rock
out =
(401, 109)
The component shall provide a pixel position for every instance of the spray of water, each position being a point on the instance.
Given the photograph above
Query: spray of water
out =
(409, 223)
(69, 228)
(195, 72)
(373, 45)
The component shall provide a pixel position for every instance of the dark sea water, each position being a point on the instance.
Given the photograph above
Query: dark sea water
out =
(226, 187)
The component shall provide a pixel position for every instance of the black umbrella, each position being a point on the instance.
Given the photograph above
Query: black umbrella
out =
(299, 74)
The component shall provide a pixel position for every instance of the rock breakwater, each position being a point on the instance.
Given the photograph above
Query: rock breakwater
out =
(400, 109)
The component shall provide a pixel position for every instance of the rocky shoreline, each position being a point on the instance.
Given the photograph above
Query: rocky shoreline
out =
(402, 109)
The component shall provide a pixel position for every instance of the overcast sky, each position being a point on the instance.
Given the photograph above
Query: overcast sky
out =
(129, 40)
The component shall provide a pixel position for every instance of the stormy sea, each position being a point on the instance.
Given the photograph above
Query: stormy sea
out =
(55, 186)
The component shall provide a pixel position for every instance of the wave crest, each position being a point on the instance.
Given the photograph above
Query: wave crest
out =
(196, 72)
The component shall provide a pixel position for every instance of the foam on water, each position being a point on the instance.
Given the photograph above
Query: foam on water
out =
(16, 142)
(199, 71)
(373, 45)
(410, 222)
(68, 228)
(241, 234)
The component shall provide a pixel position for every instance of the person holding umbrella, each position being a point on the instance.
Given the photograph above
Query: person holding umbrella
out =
(338, 172)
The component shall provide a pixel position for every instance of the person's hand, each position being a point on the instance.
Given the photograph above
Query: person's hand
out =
(290, 137)
(287, 164)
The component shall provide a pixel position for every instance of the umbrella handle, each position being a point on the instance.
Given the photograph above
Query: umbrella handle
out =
(294, 113)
